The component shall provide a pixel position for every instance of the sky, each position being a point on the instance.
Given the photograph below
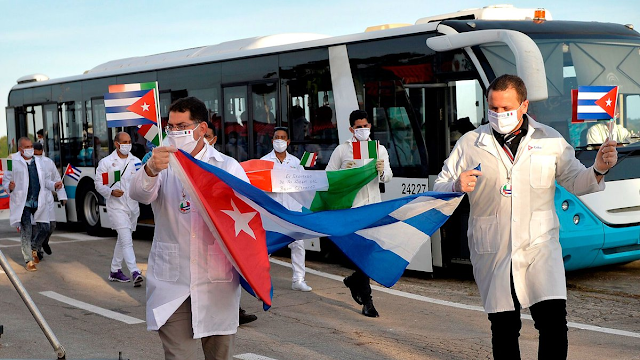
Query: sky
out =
(65, 37)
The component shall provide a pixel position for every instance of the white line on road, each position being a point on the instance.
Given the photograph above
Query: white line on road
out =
(251, 356)
(459, 305)
(94, 309)
(73, 238)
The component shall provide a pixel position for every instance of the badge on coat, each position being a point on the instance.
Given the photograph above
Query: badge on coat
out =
(505, 190)
(185, 206)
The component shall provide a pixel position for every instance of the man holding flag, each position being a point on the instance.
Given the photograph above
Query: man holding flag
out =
(348, 155)
(113, 181)
(194, 291)
(283, 159)
(509, 169)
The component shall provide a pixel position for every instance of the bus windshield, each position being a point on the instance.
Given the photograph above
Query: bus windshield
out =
(581, 62)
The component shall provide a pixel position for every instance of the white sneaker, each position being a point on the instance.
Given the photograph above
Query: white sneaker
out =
(300, 286)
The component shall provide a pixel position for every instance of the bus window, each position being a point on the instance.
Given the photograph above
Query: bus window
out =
(52, 134)
(236, 122)
(98, 144)
(34, 121)
(264, 117)
(632, 117)
(11, 132)
(469, 109)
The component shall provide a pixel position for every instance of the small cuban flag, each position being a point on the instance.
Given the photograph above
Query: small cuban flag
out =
(73, 172)
(365, 149)
(308, 159)
(6, 165)
(138, 165)
(110, 178)
(595, 103)
(131, 104)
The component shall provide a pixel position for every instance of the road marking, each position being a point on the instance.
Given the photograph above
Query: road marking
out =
(71, 236)
(92, 308)
(251, 356)
(459, 305)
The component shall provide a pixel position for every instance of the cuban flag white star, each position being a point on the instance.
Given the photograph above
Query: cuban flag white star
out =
(608, 102)
(241, 220)
(145, 107)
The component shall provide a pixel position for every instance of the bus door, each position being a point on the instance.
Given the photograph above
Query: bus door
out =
(250, 113)
(52, 150)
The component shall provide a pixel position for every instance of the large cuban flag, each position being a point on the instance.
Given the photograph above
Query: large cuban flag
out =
(131, 104)
(381, 239)
(596, 103)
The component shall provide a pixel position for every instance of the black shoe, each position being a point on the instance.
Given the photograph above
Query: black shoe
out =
(47, 248)
(40, 256)
(245, 318)
(354, 293)
(369, 310)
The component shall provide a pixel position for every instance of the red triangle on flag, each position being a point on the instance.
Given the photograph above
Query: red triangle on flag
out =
(145, 106)
(608, 102)
(69, 170)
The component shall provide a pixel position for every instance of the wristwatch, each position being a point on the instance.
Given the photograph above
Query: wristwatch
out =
(599, 173)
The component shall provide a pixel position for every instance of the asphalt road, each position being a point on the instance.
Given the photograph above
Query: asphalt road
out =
(422, 317)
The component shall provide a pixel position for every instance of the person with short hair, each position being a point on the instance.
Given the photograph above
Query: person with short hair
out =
(342, 158)
(123, 211)
(27, 184)
(194, 295)
(50, 167)
(282, 159)
(509, 169)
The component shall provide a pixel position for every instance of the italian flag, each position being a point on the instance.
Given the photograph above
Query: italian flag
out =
(365, 149)
(6, 165)
(316, 190)
(150, 132)
(110, 178)
(308, 159)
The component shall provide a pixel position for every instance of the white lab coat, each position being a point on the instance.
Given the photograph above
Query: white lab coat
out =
(522, 239)
(370, 193)
(18, 197)
(50, 166)
(123, 211)
(290, 162)
(186, 258)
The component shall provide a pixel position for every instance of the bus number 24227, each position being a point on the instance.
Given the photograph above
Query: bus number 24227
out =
(408, 189)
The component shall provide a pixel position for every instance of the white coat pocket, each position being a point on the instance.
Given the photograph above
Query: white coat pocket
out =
(486, 234)
(541, 228)
(219, 268)
(166, 264)
(542, 171)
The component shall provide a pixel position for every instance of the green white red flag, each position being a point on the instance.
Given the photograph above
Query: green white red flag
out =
(308, 159)
(365, 149)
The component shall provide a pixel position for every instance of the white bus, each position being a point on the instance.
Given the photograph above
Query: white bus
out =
(422, 85)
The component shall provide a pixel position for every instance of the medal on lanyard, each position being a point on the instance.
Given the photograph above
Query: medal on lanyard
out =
(185, 205)
(505, 190)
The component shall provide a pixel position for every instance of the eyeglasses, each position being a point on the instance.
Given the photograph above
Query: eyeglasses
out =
(179, 127)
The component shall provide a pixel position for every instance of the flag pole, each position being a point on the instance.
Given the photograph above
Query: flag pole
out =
(156, 94)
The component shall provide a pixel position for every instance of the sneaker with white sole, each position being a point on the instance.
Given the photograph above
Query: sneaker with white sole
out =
(300, 285)
(118, 276)
(137, 279)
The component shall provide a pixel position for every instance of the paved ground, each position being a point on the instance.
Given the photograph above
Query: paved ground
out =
(421, 317)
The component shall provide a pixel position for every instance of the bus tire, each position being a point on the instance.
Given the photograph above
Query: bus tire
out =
(89, 210)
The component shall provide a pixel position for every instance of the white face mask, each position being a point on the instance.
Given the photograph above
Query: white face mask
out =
(504, 122)
(362, 134)
(125, 149)
(28, 153)
(183, 140)
(279, 145)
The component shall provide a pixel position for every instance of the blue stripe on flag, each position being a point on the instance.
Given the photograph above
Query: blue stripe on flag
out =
(129, 122)
(587, 102)
(73, 176)
(125, 94)
(602, 89)
(116, 109)
(593, 116)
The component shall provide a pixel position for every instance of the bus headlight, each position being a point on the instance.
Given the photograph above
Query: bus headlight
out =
(576, 219)
(565, 205)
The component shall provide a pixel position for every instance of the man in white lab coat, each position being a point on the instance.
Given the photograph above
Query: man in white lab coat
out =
(283, 159)
(342, 158)
(193, 291)
(113, 182)
(50, 167)
(27, 185)
(509, 168)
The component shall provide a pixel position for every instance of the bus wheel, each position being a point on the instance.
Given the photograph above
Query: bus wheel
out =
(89, 212)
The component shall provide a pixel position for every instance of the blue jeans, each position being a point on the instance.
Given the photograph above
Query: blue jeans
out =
(31, 239)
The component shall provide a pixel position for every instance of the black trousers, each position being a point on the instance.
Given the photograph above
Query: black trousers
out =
(360, 281)
(550, 319)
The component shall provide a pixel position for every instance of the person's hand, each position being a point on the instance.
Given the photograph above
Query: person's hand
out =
(12, 185)
(58, 185)
(467, 181)
(350, 164)
(63, 202)
(607, 156)
(380, 165)
(159, 160)
(117, 192)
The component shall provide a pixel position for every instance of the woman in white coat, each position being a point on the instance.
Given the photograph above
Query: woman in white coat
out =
(509, 168)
